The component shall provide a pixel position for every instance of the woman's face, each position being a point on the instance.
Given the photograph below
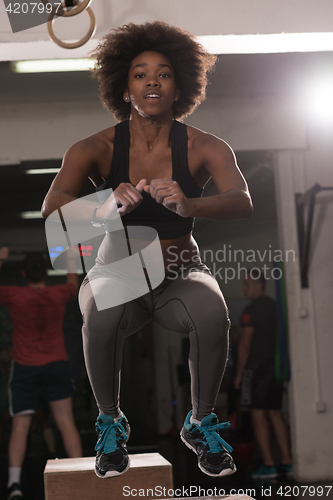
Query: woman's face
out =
(151, 85)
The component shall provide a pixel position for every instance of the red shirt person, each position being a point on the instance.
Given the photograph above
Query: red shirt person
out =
(40, 362)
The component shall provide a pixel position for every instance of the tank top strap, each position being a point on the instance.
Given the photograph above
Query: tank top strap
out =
(179, 150)
(120, 157)
(180, 170)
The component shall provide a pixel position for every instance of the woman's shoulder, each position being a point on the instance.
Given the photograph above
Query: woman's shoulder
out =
(90, 157)
(93, 152)
(199, 141)
(96, 143)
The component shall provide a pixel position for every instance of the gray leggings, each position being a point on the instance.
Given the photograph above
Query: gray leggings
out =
(192, 303)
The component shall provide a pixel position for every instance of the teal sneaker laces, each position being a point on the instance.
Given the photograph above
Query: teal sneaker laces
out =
(109, 437)
(212, 438)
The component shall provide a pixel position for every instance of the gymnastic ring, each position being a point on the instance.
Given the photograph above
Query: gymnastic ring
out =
(73, 45)
(79, 7)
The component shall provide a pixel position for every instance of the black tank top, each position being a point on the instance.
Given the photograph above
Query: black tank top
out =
(168, 224)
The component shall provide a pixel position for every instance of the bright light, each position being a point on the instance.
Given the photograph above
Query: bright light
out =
(51, 65)
(31, 215)
(33, 171)
(59, 272)
(267, 43)
(47, 56)
(320, 101)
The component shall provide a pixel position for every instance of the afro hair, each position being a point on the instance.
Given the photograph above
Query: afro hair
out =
(114, 54)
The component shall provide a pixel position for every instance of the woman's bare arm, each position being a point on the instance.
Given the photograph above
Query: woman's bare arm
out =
(77, 166)
(81, 162)
(233, 200)
(219, 162)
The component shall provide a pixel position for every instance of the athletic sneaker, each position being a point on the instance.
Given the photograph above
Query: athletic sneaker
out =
(265, 472)
(112, 457)
(286, 470)
(213, 454)
(15, 492)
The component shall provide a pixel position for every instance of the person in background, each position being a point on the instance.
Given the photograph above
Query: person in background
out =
(255, 376)
(40, 362)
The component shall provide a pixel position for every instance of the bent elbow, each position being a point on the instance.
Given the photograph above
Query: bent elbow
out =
(47, 208)
(248, 210)
(247, 206)
(50, 204)
(44, 211)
